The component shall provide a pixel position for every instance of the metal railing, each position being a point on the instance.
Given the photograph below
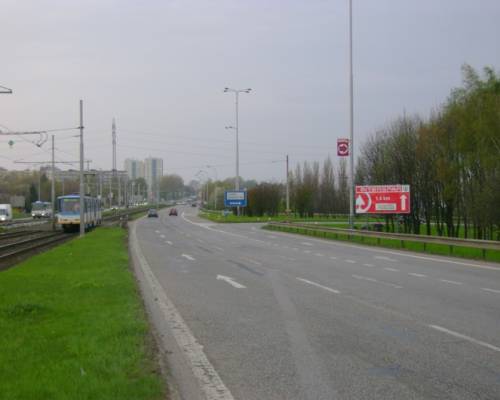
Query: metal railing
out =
(403, 238)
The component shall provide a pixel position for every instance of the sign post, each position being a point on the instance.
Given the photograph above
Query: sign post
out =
(383, 199)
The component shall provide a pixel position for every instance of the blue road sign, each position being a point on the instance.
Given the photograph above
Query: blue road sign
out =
(235, 198)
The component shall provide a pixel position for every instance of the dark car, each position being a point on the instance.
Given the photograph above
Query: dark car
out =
(173, 211)
(152, 213)
(193, 204)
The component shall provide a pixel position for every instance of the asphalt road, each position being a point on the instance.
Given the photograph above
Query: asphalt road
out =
(281, 316)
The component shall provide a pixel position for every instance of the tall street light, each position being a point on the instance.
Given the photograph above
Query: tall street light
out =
(237, 93)
(351, 124)
(4, 90)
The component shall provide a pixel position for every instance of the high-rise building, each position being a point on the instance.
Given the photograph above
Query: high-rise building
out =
(153, 171)
(134, 168)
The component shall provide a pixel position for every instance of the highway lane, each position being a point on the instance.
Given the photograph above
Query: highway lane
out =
(282, 316)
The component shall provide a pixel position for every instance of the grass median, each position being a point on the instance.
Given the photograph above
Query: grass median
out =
(73, 326)
(406, 244)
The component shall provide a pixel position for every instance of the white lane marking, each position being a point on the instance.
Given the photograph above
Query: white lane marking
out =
(307, 251)
(250, 260)
(333, 257)
(209, 381)
(385, 258)
(391, 269)
(231, 281)
(162, 236)
(319, 254)
(490, 290)
(209, 227)
(465, 337)
(350, 261)
(306, 244)
(169, 242)
(218, 248)
(369, 265)
(190, 258)
(366, 278)
(157, 231)
(452, 282)
(318, 285)
(401, 254)
(417, 275)
(286, 258)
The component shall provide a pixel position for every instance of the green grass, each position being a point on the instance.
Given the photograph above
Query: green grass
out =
(458, 251)
(73, 327)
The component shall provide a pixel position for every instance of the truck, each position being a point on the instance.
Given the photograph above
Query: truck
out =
(5, 212)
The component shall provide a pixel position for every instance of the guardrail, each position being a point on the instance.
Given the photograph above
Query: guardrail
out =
(483, 245)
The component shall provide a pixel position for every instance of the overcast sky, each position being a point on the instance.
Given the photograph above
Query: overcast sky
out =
(159, 68)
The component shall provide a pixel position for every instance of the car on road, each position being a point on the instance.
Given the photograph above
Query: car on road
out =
(152, 213)
(193, 204)
(173, 211)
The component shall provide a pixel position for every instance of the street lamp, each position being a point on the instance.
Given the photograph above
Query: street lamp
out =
(351, 124)
(237, 93)
(4, 90)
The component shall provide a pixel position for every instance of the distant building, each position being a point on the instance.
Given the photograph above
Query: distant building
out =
(134, 168)
(153, 171)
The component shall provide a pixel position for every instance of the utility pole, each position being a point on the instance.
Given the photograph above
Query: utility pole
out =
(287, 187)
(113, 134)
(39, 182)
(53, 188)
(119, 190)
(351, 124)
(82, 188)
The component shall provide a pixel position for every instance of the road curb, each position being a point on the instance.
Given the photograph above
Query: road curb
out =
(194, 377)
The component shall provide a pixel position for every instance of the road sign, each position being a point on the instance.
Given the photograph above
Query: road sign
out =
(235, 198)
(342, 147)
(383, 199)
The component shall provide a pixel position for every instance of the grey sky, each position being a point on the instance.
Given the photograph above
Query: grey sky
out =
(159, 68)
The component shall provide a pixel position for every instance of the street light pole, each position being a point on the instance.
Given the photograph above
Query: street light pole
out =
(237, 181)
(82, 186)
(351, 124)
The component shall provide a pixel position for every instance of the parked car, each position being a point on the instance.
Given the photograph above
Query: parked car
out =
(193, 204)
(152, 213)
(173, 211)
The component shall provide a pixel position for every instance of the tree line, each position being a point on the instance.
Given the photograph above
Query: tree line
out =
(451, 160)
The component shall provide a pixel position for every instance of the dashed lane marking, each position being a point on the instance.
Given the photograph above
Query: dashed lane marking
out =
(452, 282)
(490, 290)
(329, 289)
(190, 258)
(417, 275)
(465, 337)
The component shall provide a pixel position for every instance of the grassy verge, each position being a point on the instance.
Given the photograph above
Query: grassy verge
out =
(73, 327)
(458, 251)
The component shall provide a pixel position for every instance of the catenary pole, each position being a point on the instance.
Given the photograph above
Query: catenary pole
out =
(82, 185)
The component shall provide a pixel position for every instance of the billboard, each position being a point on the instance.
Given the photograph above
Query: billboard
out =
(235, 198)
(382, 199)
